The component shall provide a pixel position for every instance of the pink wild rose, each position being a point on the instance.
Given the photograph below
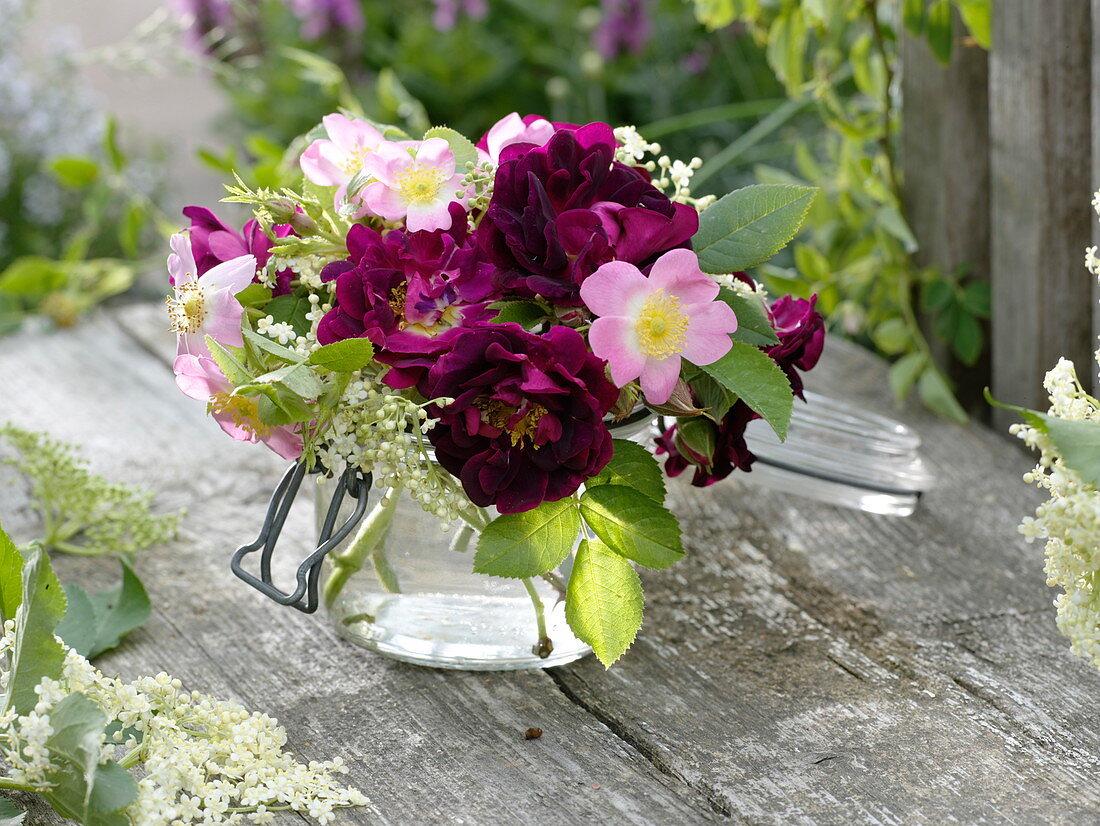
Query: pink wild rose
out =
(336, 160)
(416, 181)
(200, 378)
(647, 325)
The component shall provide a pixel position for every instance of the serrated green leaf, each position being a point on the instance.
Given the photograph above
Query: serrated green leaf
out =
(757, 380)
(11, 577)
(604, 601)
(464, 151)
(753, 325)
(633, 525)
(78, 627)
(292, 310)
(345, 356)
(74, 172)
(712, 396)
(254, 295)
(119, 610)
(280, 351)
(524, 313)
(299, 379)
(37, 652)
(228, 363)
(529, 543)
(634, 466)
(750, 225)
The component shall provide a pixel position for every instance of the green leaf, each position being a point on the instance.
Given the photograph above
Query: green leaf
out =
(977, 15)
(254, 295)
(74, 172)
(529, 543)
(299, 379)
(912, 15)
(941, 35)
(280, 351)
(757, 380)
(524, 313)
(78, 627)
(37, 652)
(604, 602)
(292, 310)
(750, 225)
(633, 525)
(10, 814)
(935, 295)
(905, 372)
(81, 787)
(712, 395)
(464, 151)
(892, 336)
(968, 340)
(753, 325)
(11, 577)
(110, 145)
(977, 298)
(698, 434)
(228, 363)
(937, 394)
(129, 230)
(119, 610)
(345, 356)
(634, 466)
(33, 275)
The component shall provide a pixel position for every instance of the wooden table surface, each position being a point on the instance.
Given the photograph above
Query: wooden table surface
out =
(803, 664)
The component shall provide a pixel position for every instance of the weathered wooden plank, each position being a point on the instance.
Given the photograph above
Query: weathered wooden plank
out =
(945, 164)
(1040, 73)
(842, 667)
(426, 746)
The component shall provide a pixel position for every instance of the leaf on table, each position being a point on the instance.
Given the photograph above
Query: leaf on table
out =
(633, 525)
(37, 653)
(97, 622)
(752, 375)
(82, 788)
(529, 543)
(750, 225)
(10, 814)
(604, 601)
(634, 466)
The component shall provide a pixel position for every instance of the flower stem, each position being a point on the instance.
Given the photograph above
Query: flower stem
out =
(545, 645)
(369, 541)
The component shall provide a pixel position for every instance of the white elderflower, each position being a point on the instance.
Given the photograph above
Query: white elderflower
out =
(202, 760)
(632, 146)
(278, 331)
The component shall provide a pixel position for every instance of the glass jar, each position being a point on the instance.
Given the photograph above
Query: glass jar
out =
(403, 585)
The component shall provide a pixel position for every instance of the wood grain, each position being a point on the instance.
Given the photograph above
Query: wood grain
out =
(1040, 99)
(804, 663)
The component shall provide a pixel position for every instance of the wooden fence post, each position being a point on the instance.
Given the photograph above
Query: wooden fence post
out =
(1040, 104)
(945, 160)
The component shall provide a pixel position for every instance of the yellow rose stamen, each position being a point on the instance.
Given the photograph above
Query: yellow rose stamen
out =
(662, 325)
(244, 412)
(419, 183)
(187, 308)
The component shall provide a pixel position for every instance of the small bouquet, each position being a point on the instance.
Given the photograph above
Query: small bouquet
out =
(468, 322)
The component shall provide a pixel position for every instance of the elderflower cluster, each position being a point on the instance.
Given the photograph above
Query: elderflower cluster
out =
(1069, 521)
(307, 268)
(202, 760)
(386, 435)
(673, 177)
(278, 331)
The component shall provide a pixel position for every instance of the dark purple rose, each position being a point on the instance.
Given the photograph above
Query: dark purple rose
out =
(625, 28)
(801, 331)
(212, 243)
(408, 292)
(561, 210)
(526, 425)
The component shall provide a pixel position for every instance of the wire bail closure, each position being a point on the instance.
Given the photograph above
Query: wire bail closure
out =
(354, 483)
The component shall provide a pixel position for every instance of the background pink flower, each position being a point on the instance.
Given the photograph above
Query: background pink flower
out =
(648, 325)
(200, 378)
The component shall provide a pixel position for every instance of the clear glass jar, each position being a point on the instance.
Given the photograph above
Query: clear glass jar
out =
(403, 586)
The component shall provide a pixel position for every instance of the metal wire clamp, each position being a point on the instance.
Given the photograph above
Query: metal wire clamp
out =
(352, 482)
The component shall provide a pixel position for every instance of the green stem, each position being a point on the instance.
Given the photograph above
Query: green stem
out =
(545, 646)
(556, 581)
(10, 785)
(879, 36)
(133, 758)
(368, 542)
